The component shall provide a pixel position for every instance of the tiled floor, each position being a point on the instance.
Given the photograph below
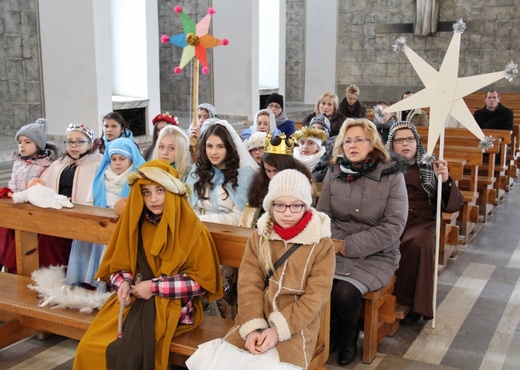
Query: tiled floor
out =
(477, 325)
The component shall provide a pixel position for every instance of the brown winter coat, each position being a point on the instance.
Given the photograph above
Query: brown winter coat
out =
(297, 291)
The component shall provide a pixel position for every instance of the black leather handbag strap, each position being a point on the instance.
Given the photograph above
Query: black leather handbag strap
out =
(279, 262)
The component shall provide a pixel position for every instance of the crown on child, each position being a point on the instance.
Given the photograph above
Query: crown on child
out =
(285, 146)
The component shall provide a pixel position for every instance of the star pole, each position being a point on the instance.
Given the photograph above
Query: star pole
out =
(443, 93)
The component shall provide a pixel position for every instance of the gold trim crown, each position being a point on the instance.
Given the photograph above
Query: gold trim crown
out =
(284, 146)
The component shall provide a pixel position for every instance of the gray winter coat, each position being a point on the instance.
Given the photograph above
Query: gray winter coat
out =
(369, 214)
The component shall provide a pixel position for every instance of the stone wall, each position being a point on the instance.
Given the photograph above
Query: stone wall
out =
(367, 31)
(369, 28)
(20, 77)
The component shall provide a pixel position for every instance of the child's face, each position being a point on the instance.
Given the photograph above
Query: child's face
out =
(153, 197)
(408, 148)
(270, 171)
(257, 154)
(202, 115)
(159, 126)
(263, 123)
(166, 149)
(287, 218)
(308, 146)
(111, 129)
(119, 163)
(77, 144)
(216, 151)
(27, 147)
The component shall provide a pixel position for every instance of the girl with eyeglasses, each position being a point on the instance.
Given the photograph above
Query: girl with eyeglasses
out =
(109, 184)
(414, 283)
(72, 176)
(278, 319)
(275, 103)
(364, 194)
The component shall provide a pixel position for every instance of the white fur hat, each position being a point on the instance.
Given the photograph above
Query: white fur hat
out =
(256, 140)
(288, 183)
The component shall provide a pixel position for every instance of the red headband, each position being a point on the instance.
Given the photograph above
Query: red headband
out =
(167, 117)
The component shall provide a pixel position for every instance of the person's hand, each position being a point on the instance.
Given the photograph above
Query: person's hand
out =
(143, 290)
(259, 342)
(267, 340)
(123, 294)
(441, 168)
(251, 342)
(195, 132)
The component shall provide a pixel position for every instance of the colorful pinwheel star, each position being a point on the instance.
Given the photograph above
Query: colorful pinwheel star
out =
(195, 40)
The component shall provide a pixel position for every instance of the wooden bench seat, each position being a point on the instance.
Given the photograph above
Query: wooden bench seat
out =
(22, 316)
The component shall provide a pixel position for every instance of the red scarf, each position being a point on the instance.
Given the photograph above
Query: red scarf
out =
(292, 231)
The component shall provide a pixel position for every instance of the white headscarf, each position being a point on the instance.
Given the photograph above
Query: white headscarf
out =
(245, 158)
(272, 121)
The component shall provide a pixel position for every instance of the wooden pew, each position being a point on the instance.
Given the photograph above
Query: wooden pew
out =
(22, 316)
(475, 101)
(501, 168)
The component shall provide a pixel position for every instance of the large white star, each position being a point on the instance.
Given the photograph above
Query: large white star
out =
(444, 90)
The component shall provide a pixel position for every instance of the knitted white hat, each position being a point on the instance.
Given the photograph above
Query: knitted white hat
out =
(257, 140)
(288, 183)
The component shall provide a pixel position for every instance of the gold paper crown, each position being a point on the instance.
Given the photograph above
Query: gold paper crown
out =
(285, 146)
(310, 132)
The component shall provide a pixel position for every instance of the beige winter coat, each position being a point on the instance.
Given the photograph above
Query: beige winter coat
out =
(297, 291)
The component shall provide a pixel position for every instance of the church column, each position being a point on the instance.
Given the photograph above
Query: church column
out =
(76, 62)
(235, 70)
(320, 48)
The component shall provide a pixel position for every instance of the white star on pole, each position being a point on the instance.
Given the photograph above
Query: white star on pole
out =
(444, 90)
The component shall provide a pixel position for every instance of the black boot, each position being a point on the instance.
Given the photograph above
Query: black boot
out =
(348, 338)
(334, 332)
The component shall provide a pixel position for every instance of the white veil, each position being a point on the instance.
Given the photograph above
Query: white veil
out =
(245, 158)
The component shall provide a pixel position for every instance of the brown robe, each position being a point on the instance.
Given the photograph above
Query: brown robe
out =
(414, 283)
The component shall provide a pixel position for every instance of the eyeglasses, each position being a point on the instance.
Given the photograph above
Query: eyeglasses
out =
(260, 149)
(356, 141)
(274, 106)
(401, 140)
(294, 208)
(75, 142)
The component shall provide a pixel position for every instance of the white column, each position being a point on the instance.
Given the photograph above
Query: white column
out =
(281, 50)
(76, 63)
(235, 69)
(135, 52)
(320, 48)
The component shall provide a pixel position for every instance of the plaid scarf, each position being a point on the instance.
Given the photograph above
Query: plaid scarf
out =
(350, 171)
(426, 173)
(152, 217)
